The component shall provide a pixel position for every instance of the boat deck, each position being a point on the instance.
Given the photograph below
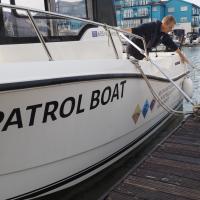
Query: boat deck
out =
(170, 171)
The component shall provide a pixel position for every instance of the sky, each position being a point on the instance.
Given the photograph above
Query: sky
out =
(197, 2)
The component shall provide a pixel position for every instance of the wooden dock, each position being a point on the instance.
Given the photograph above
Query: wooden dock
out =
(171, 171)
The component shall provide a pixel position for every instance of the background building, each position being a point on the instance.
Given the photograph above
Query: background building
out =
(131, 13)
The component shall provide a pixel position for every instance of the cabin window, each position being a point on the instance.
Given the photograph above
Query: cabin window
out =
(39, 4)
(16, 26)
(15, 22)
(36, 4)
(75, 8)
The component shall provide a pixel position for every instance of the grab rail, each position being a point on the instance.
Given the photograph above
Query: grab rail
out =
(161, 71)
(105, 26)
(39, 35)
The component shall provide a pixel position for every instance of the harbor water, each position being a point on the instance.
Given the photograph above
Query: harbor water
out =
(193, 54)
(95, 187)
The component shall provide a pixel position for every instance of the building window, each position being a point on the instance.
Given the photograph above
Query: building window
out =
(183, 19)
(71, 7)
(170, 10)
(125, 13)
(183, 8)
(143, 12)
(154, 9)
(195, 11)
(118, 12)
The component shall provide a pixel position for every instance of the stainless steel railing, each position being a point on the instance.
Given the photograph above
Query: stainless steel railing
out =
(41, 38)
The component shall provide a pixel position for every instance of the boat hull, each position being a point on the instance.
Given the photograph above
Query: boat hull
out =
(59, 135)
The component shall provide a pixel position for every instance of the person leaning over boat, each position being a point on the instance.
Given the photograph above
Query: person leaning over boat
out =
(154, 33)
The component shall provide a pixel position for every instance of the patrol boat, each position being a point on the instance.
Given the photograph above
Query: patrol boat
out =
(71, 103)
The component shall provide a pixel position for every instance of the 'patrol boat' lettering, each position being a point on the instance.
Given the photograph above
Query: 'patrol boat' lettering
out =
(53, 110)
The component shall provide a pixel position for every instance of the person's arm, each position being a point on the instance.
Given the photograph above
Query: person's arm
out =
(167, 41)
(182, 56)
(142, 29)
(130, 30)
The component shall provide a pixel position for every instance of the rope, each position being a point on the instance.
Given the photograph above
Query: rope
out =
(196, 108)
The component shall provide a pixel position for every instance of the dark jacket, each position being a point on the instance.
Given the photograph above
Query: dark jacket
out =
(152, 34)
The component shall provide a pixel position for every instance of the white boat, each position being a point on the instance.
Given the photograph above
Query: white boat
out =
(196, 41)
(69, 109)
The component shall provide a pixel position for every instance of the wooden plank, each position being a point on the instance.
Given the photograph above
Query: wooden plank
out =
(186, 138)
(174, 163)
(120, 196)
(167, 177)
(180, 147)
(191, 122)
(163, 187)
(188, 131)
(177, 157)
(171, 172)
(142, 192)
(179, 140)
(189, 134)
(184, 150)
(174, 170)
(188, 128)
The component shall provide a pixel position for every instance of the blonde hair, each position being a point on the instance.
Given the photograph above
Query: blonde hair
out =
(168, 20)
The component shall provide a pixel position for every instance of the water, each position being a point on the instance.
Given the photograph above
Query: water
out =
(193, 53)
(93, 188)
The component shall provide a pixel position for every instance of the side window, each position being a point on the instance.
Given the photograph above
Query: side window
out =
(16, 22)
(75, 8)
(36, 4)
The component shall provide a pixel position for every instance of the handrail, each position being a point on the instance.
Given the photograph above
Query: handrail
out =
(161, 71)
(105, 26)
(113, 44)
(39, 35)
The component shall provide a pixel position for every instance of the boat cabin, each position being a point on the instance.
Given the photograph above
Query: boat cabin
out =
(29, 29)
(16, 28)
